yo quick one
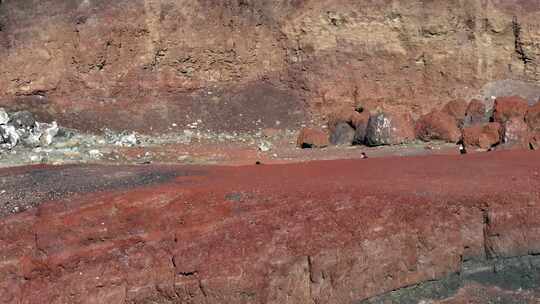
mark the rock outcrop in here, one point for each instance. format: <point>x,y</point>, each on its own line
<point>312,138</point>
<point>146,64</point>
<point>322,232</point>
<point>438,125</point>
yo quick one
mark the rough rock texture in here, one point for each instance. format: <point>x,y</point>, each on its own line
<point>312,138</point>
<point>482,137</point>
<point>457,109</point>
<point>302,233</point>
<point>145,64</point>
<point>343,134</point>
<point>476,113</point>
<point>516,134</point>
<point>533,118</point>
<point>507,108</point>
<point>438,125</point>
<point>360,124</point>
<point>390,128</point>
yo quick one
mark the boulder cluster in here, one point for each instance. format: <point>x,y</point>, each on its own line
<point>511,124</point>
<point>21,128</point>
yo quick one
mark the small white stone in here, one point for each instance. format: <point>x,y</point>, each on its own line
<point>35,158</point>
<point>4,117</point>
<point>49,131</point>
<point>265,146</point>
<point>95,153</point>
<point>9,135</point>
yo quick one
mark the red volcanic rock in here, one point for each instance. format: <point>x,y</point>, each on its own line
<point>297,233</point>
<point>348,116</point>
<point>438,125</point>
<point>312,138</point>
<point>506,108</point>
<point>534,141</point>
<point>533,117</point>
<point>476,113</point>
<point>482,137</point>
<point>457,109</point>
<point>516,134</point>
<point>390,128</point>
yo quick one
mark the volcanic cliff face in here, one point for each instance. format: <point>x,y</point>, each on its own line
<point>145,64</point>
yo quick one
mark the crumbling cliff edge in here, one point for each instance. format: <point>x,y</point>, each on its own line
<point>146,64</point>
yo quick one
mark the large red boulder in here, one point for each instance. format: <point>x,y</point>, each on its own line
<point>482,137</point>
<point>312,138</point>
<point>390,128</point>
<point>515,134</point>
<point>506,108</point>
<point>534,141</point>
<point>533,117</point>
<point>344,115</point>
<point>438,125</point>
<point>357,119</point>
<point>457,109</point>
<point>475,114</point>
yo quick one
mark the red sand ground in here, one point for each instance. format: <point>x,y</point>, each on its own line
<point>319,232</point>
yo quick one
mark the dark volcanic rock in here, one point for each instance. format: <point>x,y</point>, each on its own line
<point>438,125</point>
<point>343,134</point>
<point>389,128</point>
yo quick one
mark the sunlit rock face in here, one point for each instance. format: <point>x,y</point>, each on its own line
<point>145,64</point>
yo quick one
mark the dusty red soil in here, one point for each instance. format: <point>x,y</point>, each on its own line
<point>318,232</point>
<point>282,152</point>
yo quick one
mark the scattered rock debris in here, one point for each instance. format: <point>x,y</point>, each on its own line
<point>22,128</point>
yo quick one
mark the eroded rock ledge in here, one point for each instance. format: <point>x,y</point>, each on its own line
<point>322,232</point>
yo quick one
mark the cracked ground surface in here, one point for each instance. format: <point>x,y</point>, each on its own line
<point>292,233</point>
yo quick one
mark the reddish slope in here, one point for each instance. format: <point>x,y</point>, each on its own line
<point>323,232</point>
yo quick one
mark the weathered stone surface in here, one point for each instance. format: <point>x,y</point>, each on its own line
<point>23,120</point>
<point>516,134</point>
<point>476,113</point>
<point>139,64</point>
<point>350,116</point>
<point>438,125</point>
<point>457,109</point>
<point>312,138</point>
<point>299,233</point>
<point>4,117</point>
<point>533,117</point>
<point>507,108</point>
<point>389,128</point>
<point>343,134</point>
<point>482,137</point>
<point>8,136</point>
<point>534,141</point>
